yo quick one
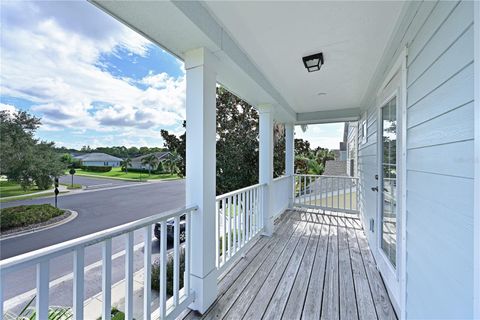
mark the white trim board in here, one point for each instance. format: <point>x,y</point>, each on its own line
<point>476,210</point>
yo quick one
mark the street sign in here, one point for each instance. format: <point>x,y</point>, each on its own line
<point>56,182</point>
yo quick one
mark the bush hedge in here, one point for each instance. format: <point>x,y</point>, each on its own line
<point>97,168</point>
<point>22,216</point>
<point>144,171</point>
<point>156,273</point>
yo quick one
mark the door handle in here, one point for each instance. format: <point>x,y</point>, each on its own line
<point>375,189</point>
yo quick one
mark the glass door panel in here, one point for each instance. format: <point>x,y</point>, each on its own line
<point>389,181</point>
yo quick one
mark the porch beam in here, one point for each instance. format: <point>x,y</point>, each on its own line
<point>290,158</point>
<point>266,113</point>
<point>328,116</point>
<point>200,173</point>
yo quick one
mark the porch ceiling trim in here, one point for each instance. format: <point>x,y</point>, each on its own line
<point>197,13</point>
<point>328,116</point>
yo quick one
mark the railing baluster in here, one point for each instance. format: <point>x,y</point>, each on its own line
<point>217,234</point>
<point>244,218</point>
<point>250,209</point>
<point>235,204</point>
<point>344,194</point>
<point>305,190</point>
<point>255,211</point>
<point>315,190</point>
<point>129,275</point>
<point>224,229</point>
<point>147,273</point>
<point>176,259</point>
<point>107,279</point>
<point>351,195</point>
<point>321,191</point>
<point>338,193</point>
<point>2,279</point>
<point>229,236</point>
<point>43,275</point>
<point>188,240</point>
<point>78,282</point>
<point>247,215</point>
<point>163,270</point>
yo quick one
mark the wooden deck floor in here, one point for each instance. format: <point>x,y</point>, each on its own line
<point>315,266</point>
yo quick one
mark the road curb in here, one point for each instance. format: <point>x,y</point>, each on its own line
<point>72,216</point>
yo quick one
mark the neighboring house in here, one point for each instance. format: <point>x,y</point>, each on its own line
<point>98,159</point>
<point>137,162</point>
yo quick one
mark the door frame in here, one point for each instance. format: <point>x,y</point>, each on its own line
<point>394,278</point>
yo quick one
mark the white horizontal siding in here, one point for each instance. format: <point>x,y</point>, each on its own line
<point>440,128</point>
<point>440,165</point>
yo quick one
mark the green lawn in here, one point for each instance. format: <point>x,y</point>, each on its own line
<point>70,186</point>
<point>9,189</point>
<point>117,173</point>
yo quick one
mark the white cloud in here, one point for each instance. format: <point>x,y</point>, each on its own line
<point>322,135</point>
<point>50,56</point>
<point>8,107</point>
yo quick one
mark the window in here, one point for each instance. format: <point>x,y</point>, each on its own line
<point>363,131</point>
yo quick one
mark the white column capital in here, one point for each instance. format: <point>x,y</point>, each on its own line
<point>200,57</point>
<point>265,108</point>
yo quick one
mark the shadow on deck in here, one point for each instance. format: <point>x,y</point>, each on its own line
<point>315,266</point>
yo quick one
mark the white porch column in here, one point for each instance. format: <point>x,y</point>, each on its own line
<point>290,158</point>
<point>266,164</point>
<point>200,173</point>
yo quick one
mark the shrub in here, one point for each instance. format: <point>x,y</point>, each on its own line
<point>156,273</point>
<point>144,171</point>
<point>97,168</point>
<point>22,216</point>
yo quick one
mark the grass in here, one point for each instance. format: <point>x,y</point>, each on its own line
<point>71,187</point>
<point>117,173</point>
<point>10,189</point>
<point>29,197</point>
<point>22,216</point>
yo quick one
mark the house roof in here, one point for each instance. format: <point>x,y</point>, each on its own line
<point>159,155</point>
<point>97,156</point>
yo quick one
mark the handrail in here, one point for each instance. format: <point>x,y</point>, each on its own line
<point>231,193</point>
<point>281,178</point>
<point>90,239</point>
<point>325,176</point>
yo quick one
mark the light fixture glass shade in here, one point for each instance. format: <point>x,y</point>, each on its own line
<point>313,62</point>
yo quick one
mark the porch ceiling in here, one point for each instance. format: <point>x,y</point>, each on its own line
<point>259,46</point>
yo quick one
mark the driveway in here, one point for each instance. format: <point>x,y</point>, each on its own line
<point>94,182</point>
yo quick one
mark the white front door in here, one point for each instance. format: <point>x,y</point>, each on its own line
<point>390,171</point>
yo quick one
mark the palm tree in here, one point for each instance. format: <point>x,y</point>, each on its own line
<point>151,161</point>
<point>323,155</point>
<point>127,162</point>
<point>172,161</point>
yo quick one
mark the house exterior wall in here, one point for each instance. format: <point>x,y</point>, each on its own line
<point>101,163</point>
<point>352,149</point>
<point>440,151</point>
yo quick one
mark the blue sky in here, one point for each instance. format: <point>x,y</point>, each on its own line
<point>92,80</point>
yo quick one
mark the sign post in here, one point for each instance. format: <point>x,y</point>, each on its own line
<point>72,172</point>
<point>56,191</point>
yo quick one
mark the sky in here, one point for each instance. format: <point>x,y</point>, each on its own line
<point>92,80</point>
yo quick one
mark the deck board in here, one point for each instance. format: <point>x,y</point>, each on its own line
<point>316,266</point>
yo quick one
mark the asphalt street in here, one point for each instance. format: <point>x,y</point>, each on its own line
<point>98,209</point>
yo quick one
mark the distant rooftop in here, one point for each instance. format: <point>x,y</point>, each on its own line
<point>96,156</point>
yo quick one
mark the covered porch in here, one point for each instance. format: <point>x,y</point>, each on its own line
<point>316,265</point>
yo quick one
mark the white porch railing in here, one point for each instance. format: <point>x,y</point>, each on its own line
<point>334,193</point>
<point>238,220</point>
<point>281,188</point>
<point>168,307</point>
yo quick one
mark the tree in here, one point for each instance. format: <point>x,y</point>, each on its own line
<point>323,155</point>
<point>151,161</point>
<point>172,162</point>
<point>172,142</point>
<point>24,159</point>
<point>127,162</point>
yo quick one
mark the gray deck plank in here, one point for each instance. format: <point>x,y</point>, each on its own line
<point>293,308</point>
<point>313,300</point>
<point>261,292</point>
<point>328,274</point>
<point>348,305</point>
<point>282,291</point>
<point>330,302</point>
<point>222,305</point>
<point>365,305</point>
<point>382,302</point>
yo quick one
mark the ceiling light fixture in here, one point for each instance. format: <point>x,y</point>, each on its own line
<point>313,62</point>
<point>321,93</point>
